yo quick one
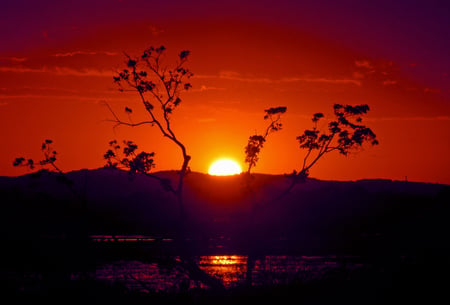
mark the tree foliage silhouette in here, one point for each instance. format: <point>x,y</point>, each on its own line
<point>140,163</point>
<point>49,159</point>
<point>48,164</point>
<point>252,150</point>
<point>126,157</point>
<point>256,142</point>
<point>159,90</point>
<point>345,134</point>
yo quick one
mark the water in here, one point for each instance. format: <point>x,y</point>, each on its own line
<point>231,270</point>
<point>167,273</point>
<point>148,264</point>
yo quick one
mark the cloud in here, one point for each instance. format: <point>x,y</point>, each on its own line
<point>59,71</point>
<point>44,96</point>
<point>19,69</point>
<point>14,59</point>
<point>389,82</point>
<point>18,59</point>
<point>363,64</point>
<point>432,90</point>
<point>322,80</point>
<point>206,88</point>
<point>234,76</point>
<point>434,118</point>
<point>85,53</point>
<point>155,30</point>
<point>358,75</point>
<point>65,90</point>
<point>206,120</point>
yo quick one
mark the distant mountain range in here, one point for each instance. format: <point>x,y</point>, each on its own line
<point>363,215</point>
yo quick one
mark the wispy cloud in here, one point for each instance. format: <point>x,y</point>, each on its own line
<point>206,88</point>
<point>59,71</point>
<point>85,53</point>
<point>322,80</point>
<point>234,76</point>
<point>363,63</point>
<point>18,59</point>
<point>45,96</point>
<point>61,89</point>
<point>14,59</point>
<point>358,75</point>
<point>155,30</point>
<point>389,82</point>
<point>432,90</point>
<point>416,118</point>
<point>206,120</point>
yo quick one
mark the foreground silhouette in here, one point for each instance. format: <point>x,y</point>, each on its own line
<point>345,134</point>
<point>159,89</point>
<point>397,230</point>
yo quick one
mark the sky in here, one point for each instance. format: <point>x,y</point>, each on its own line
<point>57,60</point>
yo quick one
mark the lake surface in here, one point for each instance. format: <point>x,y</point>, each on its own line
<point>231,270</point>
<point>166,273</point>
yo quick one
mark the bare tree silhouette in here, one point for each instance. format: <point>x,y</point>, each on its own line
<point>159,90</point>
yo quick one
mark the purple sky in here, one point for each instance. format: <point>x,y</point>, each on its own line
<point>414,32</point>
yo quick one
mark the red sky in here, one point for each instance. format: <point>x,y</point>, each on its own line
<point>57,61</point>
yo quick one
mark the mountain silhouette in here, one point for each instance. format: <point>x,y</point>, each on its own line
<point>316,216</point>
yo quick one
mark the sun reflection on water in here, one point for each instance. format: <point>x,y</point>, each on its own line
<point>230,269</point>
<point>226,260</point>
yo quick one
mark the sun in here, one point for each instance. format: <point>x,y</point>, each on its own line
<point>224,167</point>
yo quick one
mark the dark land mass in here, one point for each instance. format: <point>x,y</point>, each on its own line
<point>45,219</point>
<point>315,217</point>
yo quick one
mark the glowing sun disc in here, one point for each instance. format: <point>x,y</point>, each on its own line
<point>224,167</point>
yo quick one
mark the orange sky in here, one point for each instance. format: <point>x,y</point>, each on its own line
<point>54,89</point>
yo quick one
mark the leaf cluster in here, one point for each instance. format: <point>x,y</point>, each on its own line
<point>253,148</point>
<point>49,157</point>
<point>155,82</point>
<point>345,133</point>
<point>256,142</point>
<point>47,164</point>
<point>126,156</point>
